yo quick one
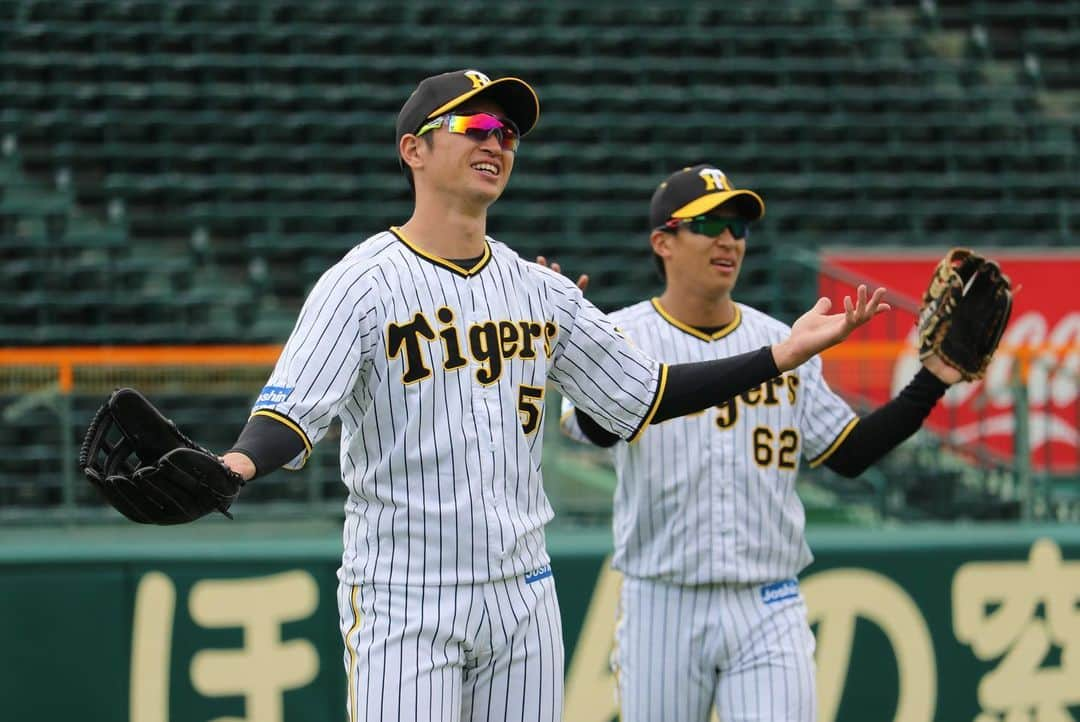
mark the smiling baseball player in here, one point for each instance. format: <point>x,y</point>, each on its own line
<point>708,529</point>
<point>433,344</point>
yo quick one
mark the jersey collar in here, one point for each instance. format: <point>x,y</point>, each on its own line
<point>442,262</point>
<point>693,331</point>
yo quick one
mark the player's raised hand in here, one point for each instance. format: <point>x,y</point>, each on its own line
<point>945,373</point>
<point>583,279</point>
<point>817,329</point>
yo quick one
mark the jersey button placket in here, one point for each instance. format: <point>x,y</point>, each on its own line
<point>721,461</point>
<point>484,398</point>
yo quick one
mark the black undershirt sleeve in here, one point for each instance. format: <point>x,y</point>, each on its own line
<point>876,434</point>
<point>882,430</point>
<point>694,387</point>
<point>593,431</point>
<point>268,443</point>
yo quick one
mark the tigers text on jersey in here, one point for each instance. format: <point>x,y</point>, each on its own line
<point>438,375</point>
<point>710,498</point>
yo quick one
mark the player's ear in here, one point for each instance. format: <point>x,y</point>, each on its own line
<point>409,148</point>
<point>661,243</point>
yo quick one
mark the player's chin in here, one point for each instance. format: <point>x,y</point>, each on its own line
<point>488,192</point>
<point>723,282</point>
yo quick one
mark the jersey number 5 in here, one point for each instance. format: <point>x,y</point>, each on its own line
<point>781,448</point>
<point>530,410</point>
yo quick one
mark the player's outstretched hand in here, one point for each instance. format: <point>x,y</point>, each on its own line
<point>583,279</point>
<point>817,329</point>
<point>945,373</point>
<point>240,463</point>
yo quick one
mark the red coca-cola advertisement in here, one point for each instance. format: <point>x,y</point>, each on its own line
<point>1039,352</point>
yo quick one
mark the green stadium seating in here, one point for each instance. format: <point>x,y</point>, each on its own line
<point>272,119</point>
<point>248,143</point>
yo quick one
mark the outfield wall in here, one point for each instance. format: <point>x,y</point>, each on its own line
<point>222,621</point>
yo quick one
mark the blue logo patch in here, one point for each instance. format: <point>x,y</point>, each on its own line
<point>271,395</point>
<point>537,574</point>
<point>777,591</point>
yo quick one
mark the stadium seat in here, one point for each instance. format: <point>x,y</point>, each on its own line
<point>271,120</point>
<point>247,145</point>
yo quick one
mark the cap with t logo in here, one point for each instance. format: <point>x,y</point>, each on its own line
<point>694,191</point>
<point>440,94</point>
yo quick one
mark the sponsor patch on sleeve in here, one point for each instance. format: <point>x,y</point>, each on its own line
<point>778,591</point>
<point>537,574</point>
<point>272,395</point>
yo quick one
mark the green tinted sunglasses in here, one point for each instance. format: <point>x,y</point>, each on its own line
<point>711,226</point>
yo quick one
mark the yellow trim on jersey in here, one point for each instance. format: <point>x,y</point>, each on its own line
<point>820,458</point>
<point>283,419</point>
<point>439,261</point>
<point>655,405</point>
<point>693,331</point>
<point>352,651</point>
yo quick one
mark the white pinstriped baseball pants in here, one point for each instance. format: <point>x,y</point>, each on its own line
<point>466,653</point>
<point>680,650</point>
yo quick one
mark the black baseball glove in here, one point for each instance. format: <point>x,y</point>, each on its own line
<point>964,312</point>
<point>146,468</point>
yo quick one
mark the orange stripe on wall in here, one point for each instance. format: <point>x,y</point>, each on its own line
<point>68,356</point>
<point>869,350</point>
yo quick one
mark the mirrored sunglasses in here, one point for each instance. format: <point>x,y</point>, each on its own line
<point>478,126</point>
<point>711,226</point>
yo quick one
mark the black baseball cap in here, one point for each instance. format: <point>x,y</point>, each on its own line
<point>693,191</point>
<point>441,93</point>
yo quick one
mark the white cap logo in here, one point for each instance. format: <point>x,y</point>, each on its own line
<point>478,79</point>
<point>714,179</point>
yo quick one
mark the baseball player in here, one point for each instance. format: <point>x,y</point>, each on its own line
<point>708,529</point>
<point>433,343</point>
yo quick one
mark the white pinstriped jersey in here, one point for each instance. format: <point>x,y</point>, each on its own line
<point>710,498</point>
<point>438,376</point>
